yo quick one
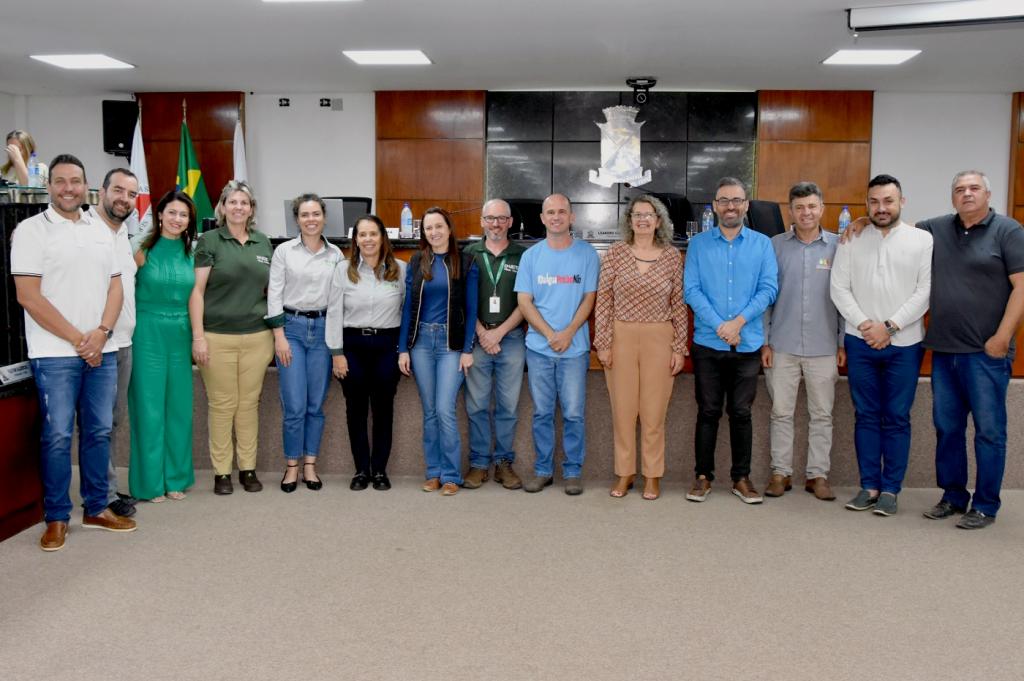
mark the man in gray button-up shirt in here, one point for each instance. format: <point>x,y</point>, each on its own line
<point>803,338</point>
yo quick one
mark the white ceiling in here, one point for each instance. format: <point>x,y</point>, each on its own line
<point>247,45</point>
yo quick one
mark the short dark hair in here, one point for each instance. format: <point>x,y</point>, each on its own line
<point>305,198</point>
<point>882,180</point>
<point>66,159</point>
<point>801,190</point>
<point>731,182</point>
<point>111,173</point>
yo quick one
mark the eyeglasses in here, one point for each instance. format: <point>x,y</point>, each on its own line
<point>725,203</point>
<point>491,219</point>
<point>643,216</point>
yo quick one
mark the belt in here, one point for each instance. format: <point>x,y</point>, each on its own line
<point>369,331</point>
<point>312,314</point>
<point>491,325</point>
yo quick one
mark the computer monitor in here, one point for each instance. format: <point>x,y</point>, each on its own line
<point>334,226</point>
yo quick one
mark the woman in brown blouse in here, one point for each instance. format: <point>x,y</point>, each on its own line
<point>640,337</point>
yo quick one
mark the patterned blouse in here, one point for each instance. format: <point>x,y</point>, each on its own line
<point>627,295</point>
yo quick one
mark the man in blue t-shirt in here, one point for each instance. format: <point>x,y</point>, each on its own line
<point>556,286</point>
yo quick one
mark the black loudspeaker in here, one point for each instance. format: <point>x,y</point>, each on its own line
<point>119,119</point>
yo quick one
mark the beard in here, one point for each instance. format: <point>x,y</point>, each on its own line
<point>892,218</point>
<point>118,210</point>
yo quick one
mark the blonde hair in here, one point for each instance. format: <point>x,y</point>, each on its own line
<point>28,145</point>
<point>230,188</point>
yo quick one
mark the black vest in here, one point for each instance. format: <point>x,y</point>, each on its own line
<point>456,299</point>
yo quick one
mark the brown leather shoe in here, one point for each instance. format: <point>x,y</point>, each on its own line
<point>53,537</point>
<point>474,478</point>
<point>431,485</point>
<point>745,490</point>
<point>778,485</point>
<point>700,490</point>
<point>449,489</point>
<point>504,474</point>
<point>820,488</point>
<point>108,521</point>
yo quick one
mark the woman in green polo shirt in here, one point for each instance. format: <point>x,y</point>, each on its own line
<point>231,341</point>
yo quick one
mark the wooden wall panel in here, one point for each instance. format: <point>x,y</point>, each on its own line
<point>1016,198</point>
<point>448,114</point>
<point>430,151</point>
<point>211,123</point>
<point>839,168</point>
<point>822,115</point>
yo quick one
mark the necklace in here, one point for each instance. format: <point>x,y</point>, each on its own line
<point>639,259</point>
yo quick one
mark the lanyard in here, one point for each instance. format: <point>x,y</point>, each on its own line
<point>495,278</point>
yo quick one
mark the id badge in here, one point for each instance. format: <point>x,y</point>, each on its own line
<point>495,305</point>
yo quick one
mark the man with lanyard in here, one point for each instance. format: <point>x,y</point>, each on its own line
<point>499,355</point>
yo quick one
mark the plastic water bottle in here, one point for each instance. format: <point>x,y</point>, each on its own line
<point>707,219</point>
<point>405,230</point>
<point>34,180</point>
<point>844,219</point>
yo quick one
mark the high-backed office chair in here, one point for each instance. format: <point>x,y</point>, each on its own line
<point>679,210</point>
<point>765,217</point>
<point>354,206</point>
<point>526,222</point>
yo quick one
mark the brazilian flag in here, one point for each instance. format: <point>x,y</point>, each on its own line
<point>190,178</point>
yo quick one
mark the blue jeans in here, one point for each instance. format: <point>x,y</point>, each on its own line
<point>438,379</point>
<point>962,383</point>
<point>304,385</point>
<point>564,379</point>
<point>883,384</point>
<point>503,373</point>
<point>68,387</point>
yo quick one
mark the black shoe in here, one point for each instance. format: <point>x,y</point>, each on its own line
<point>289,487</point>
<point>250,483</point>
<point>381,482</point>
<point>122,508</point>
<point>942,510</point>
<point>975,520</point>
<point>222,484</point>
<point>313,484</point>
<point>127,498</point>
<point>359,482</point>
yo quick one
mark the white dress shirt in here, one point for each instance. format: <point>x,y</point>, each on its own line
<point>881,277</point>
<point>370,303</point>
<point>299,278</point>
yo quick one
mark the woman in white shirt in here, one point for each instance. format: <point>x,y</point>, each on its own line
<point>363,318</point>
<point>300,277</point>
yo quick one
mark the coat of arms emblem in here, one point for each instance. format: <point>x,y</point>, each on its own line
<point>620,149</point>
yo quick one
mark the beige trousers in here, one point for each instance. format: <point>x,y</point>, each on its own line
<point>234,380</point>
<point>640,385</point>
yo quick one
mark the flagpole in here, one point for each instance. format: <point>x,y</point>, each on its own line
<point>184,109</point>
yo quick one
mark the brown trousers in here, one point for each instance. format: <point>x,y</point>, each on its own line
<point>640,385</point>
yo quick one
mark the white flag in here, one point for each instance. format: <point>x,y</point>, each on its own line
<point>240,171</point>
<point>141,221</point>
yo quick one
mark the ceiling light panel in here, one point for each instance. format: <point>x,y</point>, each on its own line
<point>387,57</point>
<point>870,57</point>
<point>82,61</point>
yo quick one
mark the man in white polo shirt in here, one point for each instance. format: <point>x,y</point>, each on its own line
<point>880,285</point>
<point>117,203</point>
<point>68,280</point>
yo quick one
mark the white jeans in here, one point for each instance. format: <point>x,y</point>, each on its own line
<point>783,380</point>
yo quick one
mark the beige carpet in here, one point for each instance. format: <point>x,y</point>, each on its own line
<point>492,584</point>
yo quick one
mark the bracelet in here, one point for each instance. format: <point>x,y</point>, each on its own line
<point>199,339</point>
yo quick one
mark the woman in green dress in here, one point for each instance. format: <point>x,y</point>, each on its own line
<point>160,392</point>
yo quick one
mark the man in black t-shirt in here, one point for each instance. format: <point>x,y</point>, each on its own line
<point>977,303</point>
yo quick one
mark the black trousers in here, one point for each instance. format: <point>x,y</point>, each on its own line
<point>730,378</point>
<point>371,384</point>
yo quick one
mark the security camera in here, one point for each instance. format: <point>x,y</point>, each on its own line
<point>641,88</point>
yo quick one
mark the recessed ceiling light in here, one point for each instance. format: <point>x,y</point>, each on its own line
<point>294,1</point>
<point>386,57</point>
<point>870,57</point>
<point>83,61</point>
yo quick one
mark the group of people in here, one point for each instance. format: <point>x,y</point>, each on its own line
<point>112,324</point>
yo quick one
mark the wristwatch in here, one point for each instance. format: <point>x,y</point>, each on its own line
<point>891,328</point>
<point>110,332</point>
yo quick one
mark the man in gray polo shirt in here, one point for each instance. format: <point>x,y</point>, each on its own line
<point>976,306</point>
<point>803,338</point>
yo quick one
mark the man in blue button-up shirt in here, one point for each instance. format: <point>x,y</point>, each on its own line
<point>730,279</point>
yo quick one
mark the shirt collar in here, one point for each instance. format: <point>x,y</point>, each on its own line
<point>299,244</point>
<point>255,236</point>
<point>717,233</point>
<point>53,216</point>
<point>984,222</point>
<point>791,235</point>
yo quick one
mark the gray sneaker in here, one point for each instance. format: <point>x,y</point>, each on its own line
<point>536,483</point>
<point>573,486</point>
<point>862,502</point>
<point>975,520</point>
<point>886,504</point>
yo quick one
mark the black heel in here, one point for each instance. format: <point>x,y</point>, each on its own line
<point>289,487</point>
<point>311,484</point>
